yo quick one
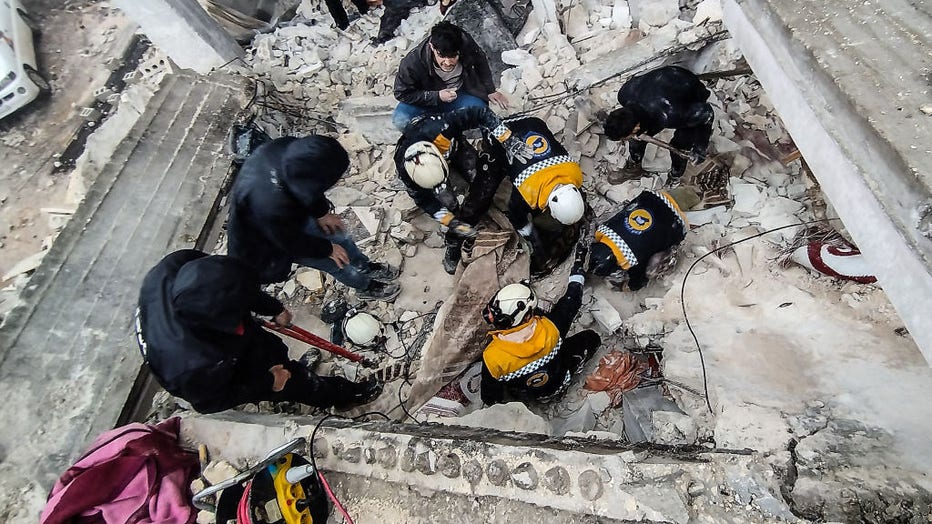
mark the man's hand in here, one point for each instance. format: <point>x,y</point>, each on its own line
<point>283,319</point>
<point>499,99</point>
<point>281,377</point>
<point>517,150</point>
<point>462,229</point>
<point>330,223</point>
<point>339,255</point>
<point>447,95</point>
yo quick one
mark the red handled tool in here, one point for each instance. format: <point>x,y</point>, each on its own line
<point>307,337</point>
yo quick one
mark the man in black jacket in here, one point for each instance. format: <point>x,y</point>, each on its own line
<point>279,215</point>
<point>447,71</point>
<point>421,161</point>
<point>194,329</point>
<point>639,240</point>
<point>666,98</point>
<point>530,356</point>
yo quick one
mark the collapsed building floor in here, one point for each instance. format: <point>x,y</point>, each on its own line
<point>780,410</point>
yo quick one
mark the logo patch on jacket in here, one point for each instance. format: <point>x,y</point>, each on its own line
<point>538,144</point>
<point>538,379</point>
<point>639,221</point>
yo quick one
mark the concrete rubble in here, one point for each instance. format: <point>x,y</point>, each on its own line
<point>570,61</point>
<point>806,459</point>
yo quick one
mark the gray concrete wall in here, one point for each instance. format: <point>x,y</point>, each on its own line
<point>184,31</point>
<point>850,99</point>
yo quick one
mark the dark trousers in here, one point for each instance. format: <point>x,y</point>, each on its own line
<point>578,348</point>
<point>338,12</point>
<point>305,387</point>
<point>395,12</point>
<point>689,139</point>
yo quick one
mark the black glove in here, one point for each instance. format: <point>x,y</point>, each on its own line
<point>516,149</point>
<point>462,229</point>
<point>580,262</point>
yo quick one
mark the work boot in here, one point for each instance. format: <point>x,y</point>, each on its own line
<point>310,359</point>
<point>451,259</point>
<point>631,171</point>
<point>365,392</point>
<point>382,271</point>
<point>379,291</point>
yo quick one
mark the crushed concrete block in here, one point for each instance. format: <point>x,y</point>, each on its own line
<point>343,196</point>
<point>673,428</point>
<point>747,199</point>
<point>289,288</point>
<point>513,416</point>
<point>405,204</point>
<point>708,11</point>
<point>217,472</point>
<point>605,314</point>
<point>407,233</point>
<point>657,13</point>
<point>310,279</point>
<point>371,117</point>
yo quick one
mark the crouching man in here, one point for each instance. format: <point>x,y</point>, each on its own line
<point>666,98</point>
<point>194,329</point>
<point>530,357</point>
<point>421,159</point>
<point>549,181</point>
<point>639,242</point>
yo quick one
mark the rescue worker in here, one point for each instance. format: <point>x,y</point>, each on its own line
<point>666,98</point>
<point>279,216</point>
<point>639,242</point>
<point>194,329</point>
<point>549,182</point>
<point>530,356</point>
<point>421,161</point>
<point>445,72</point>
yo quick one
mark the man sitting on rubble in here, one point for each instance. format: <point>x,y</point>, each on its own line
<point>194,328</point>
<point>421,160</point>
<point>279,215</point>
<point>639,242</point>
<point>666,98</point>
<point>530,356</point>
<point>447,71</point>
<point>548,183</point>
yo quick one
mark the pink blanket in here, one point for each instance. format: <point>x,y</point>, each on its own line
<point>132,474</point>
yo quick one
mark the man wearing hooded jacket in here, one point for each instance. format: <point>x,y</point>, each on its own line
<point>666,98</point>
<point>194,328</point>
<point>280,215</point>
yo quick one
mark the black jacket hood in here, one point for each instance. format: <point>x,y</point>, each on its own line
<point>215,292</point>
<point>311,165</point>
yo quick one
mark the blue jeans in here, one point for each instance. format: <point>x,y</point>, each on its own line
<point>354,274</point>
<point>404,113</point>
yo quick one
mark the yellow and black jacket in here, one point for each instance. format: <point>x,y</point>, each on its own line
<point>648,224</point>
<point>525,361</point>
<point>551,164</point>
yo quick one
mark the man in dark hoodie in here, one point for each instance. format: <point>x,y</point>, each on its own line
<point>279,216</point>
<point>194,329</point>
<point>447,71</point>
<point>666,98</point>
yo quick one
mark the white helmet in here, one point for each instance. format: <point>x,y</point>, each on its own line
<point>363,329</point>
<point>511,306</point>
<point>566,204</point>
<point>425,164</point>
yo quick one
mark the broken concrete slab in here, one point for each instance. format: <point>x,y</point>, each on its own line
<point>487,27</point>
<point>370,117</point>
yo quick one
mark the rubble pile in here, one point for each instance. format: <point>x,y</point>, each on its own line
<point>571,59</point>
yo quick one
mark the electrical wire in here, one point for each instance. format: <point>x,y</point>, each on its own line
<point>320,475</point>
<point>705,383</point>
